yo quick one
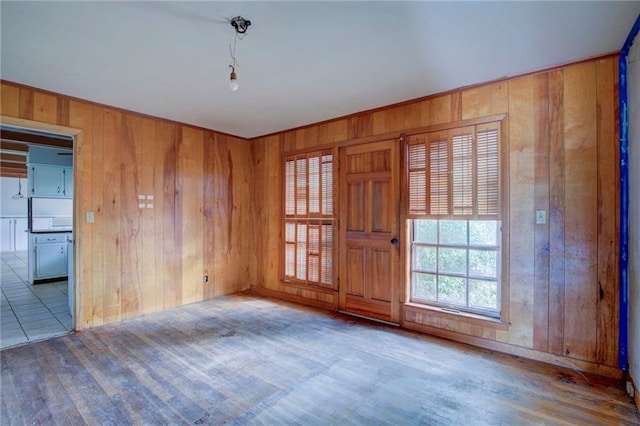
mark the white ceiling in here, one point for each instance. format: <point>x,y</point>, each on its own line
<point>301,62</point>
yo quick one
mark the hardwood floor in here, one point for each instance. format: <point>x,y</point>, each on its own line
<point>248,360</point>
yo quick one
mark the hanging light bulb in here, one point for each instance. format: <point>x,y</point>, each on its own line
<point>240,26</point>
<point>233,80</point>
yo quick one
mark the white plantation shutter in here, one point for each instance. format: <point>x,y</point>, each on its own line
<point>308,184</point>
<point>455,173</point>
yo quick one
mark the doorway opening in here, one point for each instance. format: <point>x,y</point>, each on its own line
<point>38,256</point>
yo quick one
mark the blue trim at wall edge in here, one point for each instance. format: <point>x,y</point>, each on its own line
<point>623,337</point>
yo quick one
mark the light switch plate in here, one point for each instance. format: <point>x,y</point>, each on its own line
<point>541,217</point>
<point>90,217</point>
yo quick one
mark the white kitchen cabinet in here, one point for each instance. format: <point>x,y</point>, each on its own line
<point>51,260</point>
<point>46,181</point>
<point>49,256</point>
<point>6,234</point>
<point>13,235</point>
<point>50,181</point>
<point>21,236</point>
<point>68,182</point>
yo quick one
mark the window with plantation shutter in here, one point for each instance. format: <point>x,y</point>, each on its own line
<point>454,211</point>
<point>455,173</point>
<point>308,218</point>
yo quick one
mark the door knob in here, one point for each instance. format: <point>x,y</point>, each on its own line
<point>394,241</point>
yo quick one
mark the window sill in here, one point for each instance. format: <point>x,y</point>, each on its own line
<point>467,317</point>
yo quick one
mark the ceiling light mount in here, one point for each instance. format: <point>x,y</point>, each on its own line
<point>240,24</point>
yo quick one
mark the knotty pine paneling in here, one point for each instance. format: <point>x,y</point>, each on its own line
<point>134,260</point>
<point>562,158</point>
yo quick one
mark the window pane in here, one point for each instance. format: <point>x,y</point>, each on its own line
<point>452,260</point>
<point>452,290</point>
<point>483,294</point>
<point>483,263</point>
<point>426,231</point>
<point>483,232</point>
<point>453,232</point>
<point>425,258</point>
<point>424,286</point>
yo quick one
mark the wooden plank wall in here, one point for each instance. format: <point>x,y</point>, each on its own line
<point>132,260</point>
<point>562,158</point>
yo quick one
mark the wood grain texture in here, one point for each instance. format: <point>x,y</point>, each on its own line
<point>239,211</point>
<point>25,109</point>
<point>208,206</point>
<point>190,366</point>
<point>45,108</point>
<point>189,188</point>
<point>134,260</point>
<point>522,132</point>
<point>441,109</point>
<point>485,100</point>
<point>556,213</point>
<point>608,218</point>
<point>83,119</point>
<point>540,174</point>
<point>10,100</point>
<point>581,223</point>
<point>94,313</point>
<point>147,151</point>
<point>131,227</point>
<point>111,215</point>
<point>541,202</point>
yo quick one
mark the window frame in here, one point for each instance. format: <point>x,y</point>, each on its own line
<point>493,313</point>
<point>293,215</point>
<point>498,123</point>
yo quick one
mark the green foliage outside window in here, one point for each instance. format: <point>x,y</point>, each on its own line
<point>455,263</point>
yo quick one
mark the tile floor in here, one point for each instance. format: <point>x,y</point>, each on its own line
<point>29,312</point>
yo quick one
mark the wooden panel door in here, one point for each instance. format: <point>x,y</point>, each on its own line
<point>369,230</point>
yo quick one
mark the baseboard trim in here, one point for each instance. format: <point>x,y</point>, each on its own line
<point>497,346</point>
<point>266,292</point>
<point>506,348</point>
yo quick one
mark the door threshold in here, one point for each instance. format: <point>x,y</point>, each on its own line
<point>370,319</point>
